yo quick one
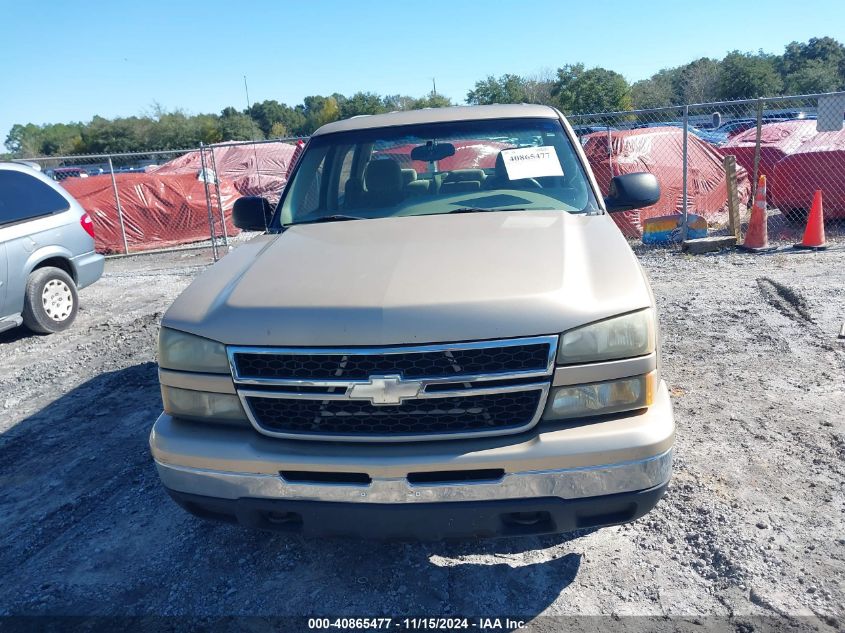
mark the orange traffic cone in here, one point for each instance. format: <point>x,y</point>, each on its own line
<point>814,233</point>
<point>757,237</point>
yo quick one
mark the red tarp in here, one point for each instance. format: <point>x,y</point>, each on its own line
<point>660,151</point>
<point>777,140</point>
<point>468,155</point>
<point>158,210</point>
<point>255,170</point>
<point>818,163</point>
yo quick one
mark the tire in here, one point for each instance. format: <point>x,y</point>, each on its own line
<point>51,301</point>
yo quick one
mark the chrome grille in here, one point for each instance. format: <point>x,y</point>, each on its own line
<point>400,393</point>
<point>415,364</point>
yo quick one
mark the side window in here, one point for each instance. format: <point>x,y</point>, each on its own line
<point>23,197</point>
<point>306,190</point>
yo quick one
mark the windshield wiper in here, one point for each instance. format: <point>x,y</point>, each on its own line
<point>327,218</point>
<point>482,209</point>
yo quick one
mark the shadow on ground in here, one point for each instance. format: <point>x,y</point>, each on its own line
<point>89,531</point>
<point>15,334</point>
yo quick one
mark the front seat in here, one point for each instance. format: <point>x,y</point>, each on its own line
<point>383,183</point>
<point>500,179</point>
<point>462,180</point>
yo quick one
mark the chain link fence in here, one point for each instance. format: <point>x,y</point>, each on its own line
<point>172,199</point>
<point>709,158</point>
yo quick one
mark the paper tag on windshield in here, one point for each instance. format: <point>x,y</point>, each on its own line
<point>531,162</point>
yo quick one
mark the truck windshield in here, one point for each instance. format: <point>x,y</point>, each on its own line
<point>464,166</point>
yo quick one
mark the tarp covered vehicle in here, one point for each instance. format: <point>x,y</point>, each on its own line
<point>159,210</point>
<point>258,169</point>
<point>817,164</point>
<point>777,140</point>
<point>660,151</point>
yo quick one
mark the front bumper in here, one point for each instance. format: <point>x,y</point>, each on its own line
<point>425,521</point>
<point>568,476</point>
<point>571,483</point>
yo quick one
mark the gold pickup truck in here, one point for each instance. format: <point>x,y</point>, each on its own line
<point>441,333</point>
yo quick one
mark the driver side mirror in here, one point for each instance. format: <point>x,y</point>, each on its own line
<point>252,213</point>
<point>632,191</point>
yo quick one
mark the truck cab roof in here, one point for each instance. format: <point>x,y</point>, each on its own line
<point>439,115</point>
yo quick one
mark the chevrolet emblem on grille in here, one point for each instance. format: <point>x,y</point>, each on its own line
<point>380,390</point>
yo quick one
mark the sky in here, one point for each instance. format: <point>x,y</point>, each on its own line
<point>67,61</point>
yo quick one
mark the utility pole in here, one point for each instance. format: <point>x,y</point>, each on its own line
<point>433,87</point>
<point>246,90</point>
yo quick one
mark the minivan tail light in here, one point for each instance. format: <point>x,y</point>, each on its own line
<point>87,224</point>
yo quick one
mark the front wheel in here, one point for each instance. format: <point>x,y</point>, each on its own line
<point>51,301</point>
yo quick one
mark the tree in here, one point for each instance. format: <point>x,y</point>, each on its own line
<point>318,111</point>
<point>166,130</point>
<point>278,130</point>
<point>398,102</point>
<point>431,100</point>
<point>38,140</point>
<point>127,134</point>
<point>696,82</point>
<point>655,92</point>
<point>237,126</point>
<point>747,76</point>
<point>816,75</point>
<point>817,66</point>
<point>23,139</point>
<point>595,90</point>
<point>505,89</point>
<point>538,87</point>
<point>361,103</point>
<point>61,139</point>
<point>269,112</point>
<point>207,128</point>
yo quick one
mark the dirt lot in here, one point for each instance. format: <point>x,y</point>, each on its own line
<point>753,524</point>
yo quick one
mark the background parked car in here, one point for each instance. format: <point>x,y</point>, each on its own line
<point>711,136</point>
<point>61,173</point>
<point>46,251</point>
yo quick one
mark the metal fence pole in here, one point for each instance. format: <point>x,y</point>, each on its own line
<point>119,209</point>
<point>208,203</point>
<point>757,149</point>
<point>685,211</point>
<point>219,200</point>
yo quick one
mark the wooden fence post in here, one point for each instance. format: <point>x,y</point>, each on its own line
<point>733,196</point>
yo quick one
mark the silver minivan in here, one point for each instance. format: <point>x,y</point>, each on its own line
<point>46,251</point>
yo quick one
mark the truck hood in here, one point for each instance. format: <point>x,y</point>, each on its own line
<point>423,279</point>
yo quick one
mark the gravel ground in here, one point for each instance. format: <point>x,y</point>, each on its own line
<point>753,525</point>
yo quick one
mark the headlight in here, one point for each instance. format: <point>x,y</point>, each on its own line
<point>600,398</point>
<point>624,336</point>
<point>186,352</point>
<point>186,403</point>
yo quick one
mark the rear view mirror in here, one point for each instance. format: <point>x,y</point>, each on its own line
<point>431,152</point>
<point>632,191</point>
<point>252,213</point>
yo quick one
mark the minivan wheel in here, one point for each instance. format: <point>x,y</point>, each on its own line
<point>51,301</point>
